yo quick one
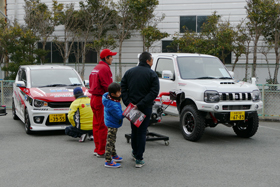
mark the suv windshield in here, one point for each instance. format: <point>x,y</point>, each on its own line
<point>202,68</point>
<point>54,77</point>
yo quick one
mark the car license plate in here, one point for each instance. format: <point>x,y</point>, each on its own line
<point>234,116</point>
<point>57,118</point>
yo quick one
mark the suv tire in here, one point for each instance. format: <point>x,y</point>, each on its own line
<point>192,123</point>
<point>249,128</point>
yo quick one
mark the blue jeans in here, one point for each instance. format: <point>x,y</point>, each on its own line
<point>74,132</point>
<point>138,135</point>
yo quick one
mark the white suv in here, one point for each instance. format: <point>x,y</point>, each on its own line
<point>42,96</point>
<point>206,94</point>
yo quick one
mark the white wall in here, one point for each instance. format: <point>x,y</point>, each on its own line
<point>232,10</point>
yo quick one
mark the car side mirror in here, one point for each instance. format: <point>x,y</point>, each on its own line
<point>86,82</point>
<point>20,84</point>
<point>167,74</point>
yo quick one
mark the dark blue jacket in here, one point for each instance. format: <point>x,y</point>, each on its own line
<point>112,112</point>
<point>140,86</point>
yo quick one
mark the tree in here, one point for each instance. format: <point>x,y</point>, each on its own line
<point>216,38</point>
<point>41,20</point>
<point>125,24</point>
<point>147,21</point>
<point>152,34</point>
<point>20,44</point>
<point>240,38</point>
<point>271,32</point>
<point>68,17</point>
<point>256,15</point>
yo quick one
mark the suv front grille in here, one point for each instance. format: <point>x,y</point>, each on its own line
<point>59,104</point>
<point>236,107</point>
<point>235,96</point>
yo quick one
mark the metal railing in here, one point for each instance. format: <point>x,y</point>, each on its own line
<point>270,94</point>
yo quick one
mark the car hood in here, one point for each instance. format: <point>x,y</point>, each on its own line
<point>224,85</point>
<point>55,94</point>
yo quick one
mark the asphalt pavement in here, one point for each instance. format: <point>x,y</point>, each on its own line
<point>220,158</point>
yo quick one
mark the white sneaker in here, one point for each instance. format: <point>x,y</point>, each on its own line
<point>90,137</point>
<point>83,138</point>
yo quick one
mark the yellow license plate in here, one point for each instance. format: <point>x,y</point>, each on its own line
<point>237,115</point>
<point>57,118</point>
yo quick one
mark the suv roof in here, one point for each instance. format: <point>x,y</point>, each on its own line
<point>180,54</point>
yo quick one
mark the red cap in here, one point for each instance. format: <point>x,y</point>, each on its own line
<point>107,52</point>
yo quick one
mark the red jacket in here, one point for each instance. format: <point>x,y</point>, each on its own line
<point>100,78</point>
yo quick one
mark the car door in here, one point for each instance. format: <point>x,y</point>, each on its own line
<point>167,85</point>
<point>19,98</point>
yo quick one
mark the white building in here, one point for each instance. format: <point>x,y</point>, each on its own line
<point>177,13</point>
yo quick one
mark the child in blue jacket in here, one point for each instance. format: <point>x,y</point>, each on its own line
<point>113,120</point>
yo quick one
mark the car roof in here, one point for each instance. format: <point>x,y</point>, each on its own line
<point>34,67</point>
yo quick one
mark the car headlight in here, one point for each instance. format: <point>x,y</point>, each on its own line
<point>211,96</point>
<point>256,95</point>
<point>40,103</point>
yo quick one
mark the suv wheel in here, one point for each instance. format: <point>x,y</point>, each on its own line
<point>14,115</point>
<point>27,122</point>
<point>247,129</point>
<point>192,123</point>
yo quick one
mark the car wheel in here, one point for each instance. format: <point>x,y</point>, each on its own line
<point>27,122</point>
<point>14,115</point>
<point>247,129</point>
<point>192,123</point>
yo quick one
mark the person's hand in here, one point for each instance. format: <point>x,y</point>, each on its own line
<point>135,106</point>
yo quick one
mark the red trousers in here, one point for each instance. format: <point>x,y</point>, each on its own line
<point>98,126</point>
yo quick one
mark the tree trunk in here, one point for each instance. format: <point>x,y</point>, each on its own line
<point>276,65</point>
<point>246,67</point>
<point>255,55</point>
<point>143,39</point>
<point>119,76</point>
<point>234,64</point>
<point>83,61</point>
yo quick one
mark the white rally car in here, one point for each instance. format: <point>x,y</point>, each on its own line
<point>43,94</point>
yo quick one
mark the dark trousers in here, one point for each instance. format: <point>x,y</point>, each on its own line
<point>74,132</point>
<point>138,135</point>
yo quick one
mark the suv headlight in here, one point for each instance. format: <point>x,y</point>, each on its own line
<point>40,103</point>
<point>211,96</point>
<point>256,95</point>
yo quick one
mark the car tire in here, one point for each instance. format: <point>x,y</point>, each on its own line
<point>247,129</point>
<point>14,115</point>
<point>192,123</point>
<point>27,122</point>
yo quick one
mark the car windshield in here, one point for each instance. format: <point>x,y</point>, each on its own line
<point>202,68</point>
<point>54,77</point>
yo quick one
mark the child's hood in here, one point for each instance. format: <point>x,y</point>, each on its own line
<point>106,102</point>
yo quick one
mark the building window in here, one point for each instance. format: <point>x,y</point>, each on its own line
<point>192,23</point>
<point>167,48</point>
<point>2,9</point>
<point>91,55</point>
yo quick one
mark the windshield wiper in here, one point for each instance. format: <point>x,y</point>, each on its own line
<point>53,85</point>
<point>225,78</point>
<point>206,78</point>
<point>75,84</point>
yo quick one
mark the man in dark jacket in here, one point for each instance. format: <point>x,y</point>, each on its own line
<point>140,86</point>
<point>99,80</point>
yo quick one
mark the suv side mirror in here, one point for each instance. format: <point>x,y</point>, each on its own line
<point>20,84</point>
<point>231,73</point>
<point>167,74</point>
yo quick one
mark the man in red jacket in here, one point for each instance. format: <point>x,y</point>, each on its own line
<point>99,80</point>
